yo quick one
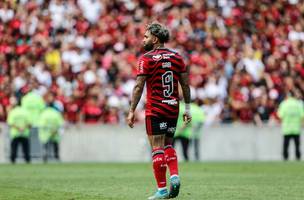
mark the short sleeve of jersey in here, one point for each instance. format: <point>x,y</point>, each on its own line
<point>142,66</point>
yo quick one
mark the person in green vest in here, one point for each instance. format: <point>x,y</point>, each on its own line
<point>192,131</point>
<point>34,103</point>
<point>198,118</point>
<point>291,113</point>
<point>50,123</point>
<point>19,122</point>
<point>183,132</point>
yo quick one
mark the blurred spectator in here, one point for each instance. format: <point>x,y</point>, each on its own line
<point>34,104</point>
<point>50,124</point>
<point>198,118</point>
<point>183,133</point>
<point>19,123</point>
<point>91,111</point>
<point>291,113</point>
<point>243,56</point>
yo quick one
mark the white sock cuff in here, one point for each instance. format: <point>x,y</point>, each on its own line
<point>163,188</point>
<point>174,175</point>
<point>168,146</point>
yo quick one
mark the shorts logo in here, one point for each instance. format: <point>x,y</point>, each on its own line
<point>163,125</point>
<point>171,130</point>
<point>157,57</point>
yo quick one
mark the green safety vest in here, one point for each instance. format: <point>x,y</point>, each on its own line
<point>34,104</point>
<point>291,113</point>
<point>197,117</point>
<point>19,117</point>
<point>49,124</point>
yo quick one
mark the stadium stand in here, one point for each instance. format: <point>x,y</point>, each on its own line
<point>243,56</point>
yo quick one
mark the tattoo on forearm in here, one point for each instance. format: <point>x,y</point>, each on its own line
<point>135,97</point>
<point>137,92</point>
<point>186,93</point>
<point>184,81</point>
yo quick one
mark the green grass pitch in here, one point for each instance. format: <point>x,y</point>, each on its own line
<point>200,181</point>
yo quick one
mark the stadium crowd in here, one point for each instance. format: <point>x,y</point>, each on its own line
<point>81,55</point>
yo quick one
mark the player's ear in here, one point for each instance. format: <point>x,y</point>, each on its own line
<point>154,39</point>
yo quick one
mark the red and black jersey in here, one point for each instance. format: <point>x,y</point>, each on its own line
<point>162,68</point>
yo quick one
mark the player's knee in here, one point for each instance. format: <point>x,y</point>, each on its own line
<point>169,141</point>
<point>158,141</point>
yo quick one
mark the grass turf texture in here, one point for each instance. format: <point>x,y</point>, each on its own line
<point>200,181</point>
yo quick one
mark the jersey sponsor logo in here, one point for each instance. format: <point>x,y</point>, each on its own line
<point>163,125</point>
<point>157,57</point>
<point>141,66</point>
<point>166,64</point>
<point>170,101</point>
<point>168,55</point>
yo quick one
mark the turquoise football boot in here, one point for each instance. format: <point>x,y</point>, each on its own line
<point>160,194</point>
<point>174,186</point>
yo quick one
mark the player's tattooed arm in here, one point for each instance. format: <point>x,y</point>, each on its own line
<point>184,81</point>
<point>137,91</point>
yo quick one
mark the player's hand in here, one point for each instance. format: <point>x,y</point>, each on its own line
<point>131,119</point>
<point>187,118</point>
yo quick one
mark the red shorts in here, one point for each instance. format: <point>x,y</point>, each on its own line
<point>160,126</point>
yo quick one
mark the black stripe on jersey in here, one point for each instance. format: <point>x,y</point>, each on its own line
<point>163,108</point>
<point>158,91</point>
<point>157,68</point>
<point>158,88</point>
<point>156,79</point>
<point>176,66</point>
<point>150,62</point>
<point>157,84</point>
<point>160,73</point>
<point>143,74</point>
<point>161,113</point>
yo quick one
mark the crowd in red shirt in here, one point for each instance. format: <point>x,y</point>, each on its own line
<point>243,56</point>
